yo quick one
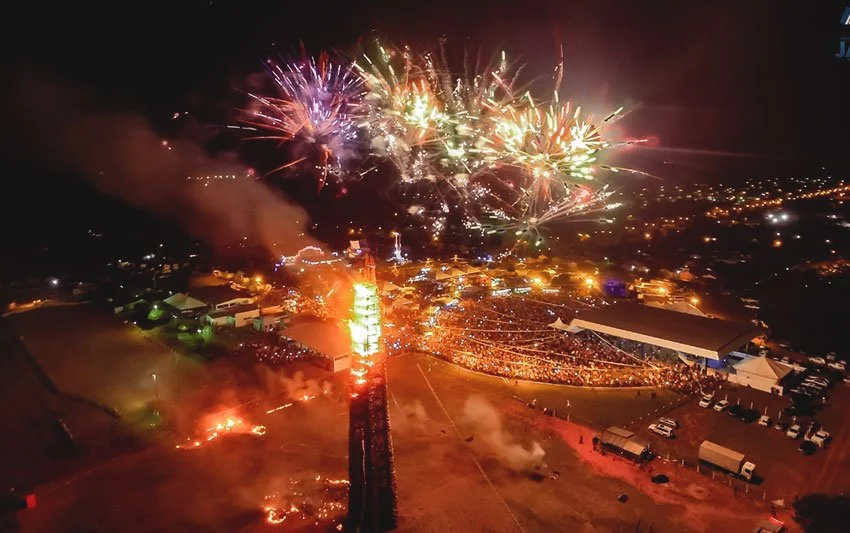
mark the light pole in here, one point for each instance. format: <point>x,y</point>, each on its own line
<point>155,387</point>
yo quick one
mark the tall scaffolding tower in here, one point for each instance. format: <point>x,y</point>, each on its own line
<point>372,503</point>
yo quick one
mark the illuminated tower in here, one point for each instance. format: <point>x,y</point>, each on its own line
<point>372,502</point>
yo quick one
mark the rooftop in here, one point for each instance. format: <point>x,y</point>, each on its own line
<point>216,294</point>
<point>232,311</point>
<point>691,334</point>
<point>329,338</point>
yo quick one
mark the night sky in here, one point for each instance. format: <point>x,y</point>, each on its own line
<point>728,89</point>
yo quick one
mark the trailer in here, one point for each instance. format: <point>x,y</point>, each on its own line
<point>624,442</point>
<point>726,459</point>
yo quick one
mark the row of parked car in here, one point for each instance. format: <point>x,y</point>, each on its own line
<point>813,387</point>
<point>737,410</point>
<point>830,360</point>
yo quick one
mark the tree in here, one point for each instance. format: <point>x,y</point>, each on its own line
<point>205,336</point>
<point>822,513</point>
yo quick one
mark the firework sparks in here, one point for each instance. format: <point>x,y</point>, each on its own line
<point>318,104</point>
<point>472,143</point>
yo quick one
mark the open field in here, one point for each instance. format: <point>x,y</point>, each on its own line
<point>446,481</point>
<point>470,455</point>
<point>91,354</point>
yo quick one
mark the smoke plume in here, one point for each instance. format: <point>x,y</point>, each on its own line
<point>487,426</point>
<point>410,416</point>
<point>123,156</point>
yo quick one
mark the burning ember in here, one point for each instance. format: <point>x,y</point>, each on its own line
<point>303,398</point>
<point>227,426</point>
<point>308,502</point>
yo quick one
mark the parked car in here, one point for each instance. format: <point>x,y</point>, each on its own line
<point>660,429</point>
<point>780,425</point>
<point>794,432</point>
<point>735,410</point>
<point>765,421</point>
<point>721,405</point>
<point>837,365</point>
<point>669,422</point>
<point>705,401</point>
<point>820,438</point>
<point>817,360</point>
<point>807,447</point>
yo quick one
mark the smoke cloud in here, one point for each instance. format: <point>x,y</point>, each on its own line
<point>410,416</point>
<point>123,156</point>
<point>487,426</point>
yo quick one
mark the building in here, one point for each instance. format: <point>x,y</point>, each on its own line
<point>197,301</point>
<point>219,297</point>
<point>271,322</point>
<point>761,374</point>
<point>329,339</point>
<point>183,304</point>
<point>234,316</point>
<point>690,335</point>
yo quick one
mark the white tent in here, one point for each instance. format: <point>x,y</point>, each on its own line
<point>404,304</point>
<point>388,287</point>
<point>183,302</point>
<point>761,373</point>
<point>559,325</point>
<point>680,306</point>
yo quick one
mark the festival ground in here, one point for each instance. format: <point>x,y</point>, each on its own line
<point>462,464</point>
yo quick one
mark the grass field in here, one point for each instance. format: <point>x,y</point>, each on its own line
<point>91,354</point>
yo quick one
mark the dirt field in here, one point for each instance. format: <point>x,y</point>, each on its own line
<point>435,465</point>
<point>470,455</point>
<point>89,353</point>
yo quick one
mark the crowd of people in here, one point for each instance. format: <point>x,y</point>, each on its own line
<point>510,337</point>
<point>273,353</point>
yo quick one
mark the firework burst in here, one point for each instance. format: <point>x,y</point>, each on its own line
<point>318,106</point>
<point>472,144</point>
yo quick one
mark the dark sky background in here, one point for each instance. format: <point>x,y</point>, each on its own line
<point>729,89</point>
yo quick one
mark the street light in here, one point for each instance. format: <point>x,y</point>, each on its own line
<point>155,387</point>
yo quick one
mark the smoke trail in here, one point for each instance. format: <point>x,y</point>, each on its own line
<point>122,155</point>
<point>487,426</point>
<point>410,416</point>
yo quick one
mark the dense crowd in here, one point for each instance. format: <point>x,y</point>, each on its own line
<point>510,337</point>
<point>280,352</point>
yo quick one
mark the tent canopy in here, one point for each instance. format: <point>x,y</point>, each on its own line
<point>680,307</point>
<point>763,367</point>
<point>329,338</point>
<point>183,302</point>
<point>559,325</point>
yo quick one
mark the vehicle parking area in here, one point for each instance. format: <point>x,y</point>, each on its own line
<point>784,471</point>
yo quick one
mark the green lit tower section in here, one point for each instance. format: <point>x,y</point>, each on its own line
<point>372,504</point>
<point>365,326</point>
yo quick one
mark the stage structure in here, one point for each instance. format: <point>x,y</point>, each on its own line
<point>372,504</point>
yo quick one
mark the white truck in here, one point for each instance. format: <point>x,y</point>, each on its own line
<point>726,459</point>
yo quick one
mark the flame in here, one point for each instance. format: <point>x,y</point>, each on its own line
<point>226,426</point>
